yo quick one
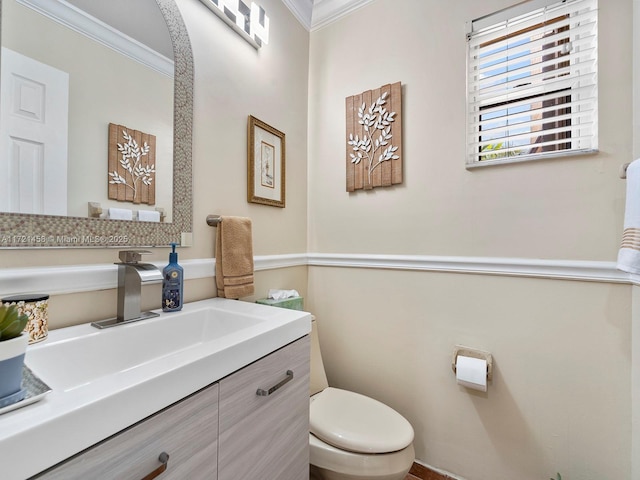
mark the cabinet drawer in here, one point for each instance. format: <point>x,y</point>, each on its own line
<point>187,431</point>
<point>267,436</point>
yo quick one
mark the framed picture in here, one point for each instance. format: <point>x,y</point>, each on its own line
<point>265,164</point>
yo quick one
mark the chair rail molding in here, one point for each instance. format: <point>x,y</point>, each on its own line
<point>595,271</point>
<point>58,280</point>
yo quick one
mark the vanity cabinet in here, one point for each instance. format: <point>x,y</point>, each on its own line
<point>186,431</point>
<point>253,423</point>
<point>267,436</point>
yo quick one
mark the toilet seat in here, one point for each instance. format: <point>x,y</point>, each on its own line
<point>357,423</point>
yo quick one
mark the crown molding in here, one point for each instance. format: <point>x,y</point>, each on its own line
<point>72,17</point>
<point>302,10</point>
<point>328,11</point>
<point>315,14</point>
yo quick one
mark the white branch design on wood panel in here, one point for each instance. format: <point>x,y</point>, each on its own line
<point>376,120</point>
<point>139,173</point>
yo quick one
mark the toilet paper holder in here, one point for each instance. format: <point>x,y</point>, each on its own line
<point>473,353</point>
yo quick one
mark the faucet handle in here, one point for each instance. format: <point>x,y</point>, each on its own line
<point>132,256</point>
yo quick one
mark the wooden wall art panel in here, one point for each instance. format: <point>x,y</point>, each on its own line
<point>374,138</point>
<point>132,165</point>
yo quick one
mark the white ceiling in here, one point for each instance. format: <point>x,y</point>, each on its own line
<point>314,14</point>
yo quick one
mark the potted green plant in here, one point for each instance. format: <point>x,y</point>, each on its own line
<point>13,346</point>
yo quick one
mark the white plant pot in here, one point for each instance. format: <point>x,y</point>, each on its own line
<point>11,364</point>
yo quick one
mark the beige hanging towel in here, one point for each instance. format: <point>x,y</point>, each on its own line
<point>234,257</point>
<point>629,253</point>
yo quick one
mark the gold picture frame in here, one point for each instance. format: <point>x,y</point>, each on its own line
<point>265,164</point>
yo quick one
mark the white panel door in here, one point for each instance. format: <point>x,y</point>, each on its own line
<point>34,100</point>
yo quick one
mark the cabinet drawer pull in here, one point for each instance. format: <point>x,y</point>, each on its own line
<point>164,458</point>
<point>266,393</point>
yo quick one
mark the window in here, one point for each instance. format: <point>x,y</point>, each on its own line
<point>532,82</point>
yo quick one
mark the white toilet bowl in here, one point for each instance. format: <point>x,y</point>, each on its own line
<point>330,463</point>
<point>352,436</point>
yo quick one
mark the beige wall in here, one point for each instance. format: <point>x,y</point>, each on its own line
<point>560,396</point>
<point>72,309</point>
<point>233,81</point>
<point>560,401</point>
<point>563,208</point>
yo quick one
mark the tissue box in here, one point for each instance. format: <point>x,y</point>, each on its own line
<point>292,303</point>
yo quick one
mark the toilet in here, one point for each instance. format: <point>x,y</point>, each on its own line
<point>352,436</point>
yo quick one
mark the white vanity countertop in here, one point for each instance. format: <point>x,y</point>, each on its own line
<point>103,381</point>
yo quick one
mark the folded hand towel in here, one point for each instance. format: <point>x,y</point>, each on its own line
<point>120,214</point>
<point>234,257</point>
<point>148,215</point>
<point>629,254</point>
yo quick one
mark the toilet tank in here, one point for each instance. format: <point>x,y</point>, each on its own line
<point>318,381</point>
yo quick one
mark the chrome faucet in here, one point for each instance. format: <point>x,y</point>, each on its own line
<point>131,275</point>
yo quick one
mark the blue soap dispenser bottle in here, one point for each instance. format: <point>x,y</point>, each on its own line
<point>172,281</point>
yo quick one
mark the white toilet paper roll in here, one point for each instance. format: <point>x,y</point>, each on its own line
<point>472,373</point>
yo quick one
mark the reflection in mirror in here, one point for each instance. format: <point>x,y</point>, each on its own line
<point>60,140</point>
<point>137,100</point>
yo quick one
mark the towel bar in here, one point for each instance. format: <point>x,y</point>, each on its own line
<point>213,220</point>
<point>623,170</point>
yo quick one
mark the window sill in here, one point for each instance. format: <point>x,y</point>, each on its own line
<point>528,158</point>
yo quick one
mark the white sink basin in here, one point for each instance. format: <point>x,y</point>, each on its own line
<point>102,381</point>
<point>80,356</point>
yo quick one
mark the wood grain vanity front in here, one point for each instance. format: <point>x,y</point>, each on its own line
<point>186,431</point>
<point>267,436</point>
<point>225,431</point>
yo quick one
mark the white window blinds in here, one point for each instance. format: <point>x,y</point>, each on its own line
<point>532,82</point>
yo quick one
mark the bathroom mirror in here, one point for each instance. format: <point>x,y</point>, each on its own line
<point>34,230</point>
